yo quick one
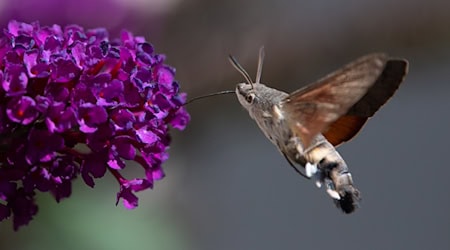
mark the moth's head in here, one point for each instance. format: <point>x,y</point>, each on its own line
<point>250,93</point>
<point>246,94</point>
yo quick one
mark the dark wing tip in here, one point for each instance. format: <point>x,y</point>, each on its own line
<point>383,89</point>
<point>399,66</point>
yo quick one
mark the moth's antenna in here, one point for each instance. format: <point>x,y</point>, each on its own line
<point>241,70</point>
<point>209,95</point>
<point>260,65</point>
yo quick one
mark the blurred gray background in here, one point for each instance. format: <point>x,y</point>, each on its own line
<point>227,187</point>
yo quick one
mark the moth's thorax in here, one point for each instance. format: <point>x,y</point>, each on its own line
<point>264,106</point>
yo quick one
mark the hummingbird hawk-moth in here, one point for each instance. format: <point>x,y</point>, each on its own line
<point>307,124</point>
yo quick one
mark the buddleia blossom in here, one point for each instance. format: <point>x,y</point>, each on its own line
<point>73,102</point>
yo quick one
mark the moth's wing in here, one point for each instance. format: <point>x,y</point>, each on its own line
<point>344,129</point>
<point>315,107</point>
<point>347,126</point>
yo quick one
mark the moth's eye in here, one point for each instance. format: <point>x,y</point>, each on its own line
<point>250,97</point>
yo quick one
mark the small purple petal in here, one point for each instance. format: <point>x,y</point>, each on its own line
<point>146,136</point>
<point>130,201</point>
<point>22,110</point>
<point>124,147</point>
<point>100,139</point>
<point>122,118</point>
<point>110,93</point>
<point>60,118</point>
<point>144,54</point>
<point>94,165</point>
<point>15,80</point>
<point>90,117</point>
<point>164,75</point>
<point>116,163</point>
<point>64,70</point>
<point>180,119</point>
<point>157,173</point>
<point>30,59</point>
<point>52,43</point>
<point>42,104</point>
<point>162,101</point>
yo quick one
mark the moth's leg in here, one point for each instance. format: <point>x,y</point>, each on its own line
<point>311,169</point>
<point>331,189</point>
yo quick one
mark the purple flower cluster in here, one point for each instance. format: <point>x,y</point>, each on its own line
<point>74,102</point>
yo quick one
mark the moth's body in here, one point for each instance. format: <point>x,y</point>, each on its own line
<point>309,123</point>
